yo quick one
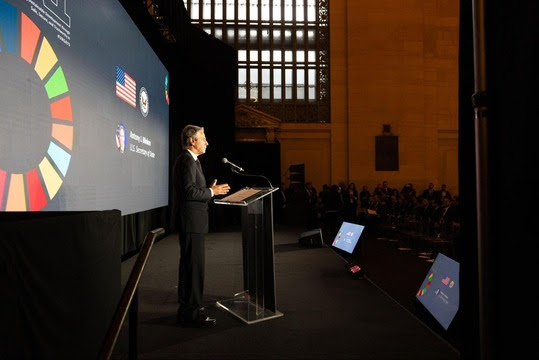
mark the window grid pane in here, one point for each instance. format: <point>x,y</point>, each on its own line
<point>288,83</point>
<point>265,84</point>
<point>253,83</point>
<point>311,10</point>
<point>265,9</point>
<point>276,10</point>
<point>230,6</point>
<point>288,10</point>
<point>194,9</point>
<point>300,11</point>
<point>206,9</point>
<point>253,10</point>
<point>242,83</point>
<point>300,84</point>
<point>277,84</point>
<point>242,9</point>
<point>312,84</point>
<point>218,9</point>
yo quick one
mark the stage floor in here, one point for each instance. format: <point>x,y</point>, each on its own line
<point>326,312</point>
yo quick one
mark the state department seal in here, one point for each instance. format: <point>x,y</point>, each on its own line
<point>144,101</point>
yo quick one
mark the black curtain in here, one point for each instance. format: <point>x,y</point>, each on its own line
<point>512,61</point>
<point>467,319</point>
<point>203,82</point>
<point>257,158</point>
<point>61,277</point>
<point>204,76</point>
<point>511,76</point>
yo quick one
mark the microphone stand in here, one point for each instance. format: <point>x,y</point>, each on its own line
<point>251,175</point>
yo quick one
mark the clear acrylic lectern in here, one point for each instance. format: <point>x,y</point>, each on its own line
<point>257,301</point>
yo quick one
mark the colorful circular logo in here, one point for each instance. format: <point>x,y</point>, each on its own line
<point>423,291</point>
<point>33,189</point>
<point>144,101</point>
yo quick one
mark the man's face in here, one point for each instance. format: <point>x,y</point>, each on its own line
<point>121,137</point>
<point>199,145</point>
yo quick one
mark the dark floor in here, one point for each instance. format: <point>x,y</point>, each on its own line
<point>327,313</point>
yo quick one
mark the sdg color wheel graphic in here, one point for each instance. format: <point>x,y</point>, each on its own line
<point>423,291</point>
<point>32,190</point>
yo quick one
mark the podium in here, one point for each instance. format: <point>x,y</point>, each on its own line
<point>257,301</point>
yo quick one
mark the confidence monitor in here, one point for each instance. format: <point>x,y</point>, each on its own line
<point>345,244</point>
<point>83,109</point>
<point>439,292</point>
<point>348,237</point>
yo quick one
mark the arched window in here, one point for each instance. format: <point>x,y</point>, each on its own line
<point>283,52</point>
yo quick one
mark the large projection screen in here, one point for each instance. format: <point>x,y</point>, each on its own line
<point>84,116</point>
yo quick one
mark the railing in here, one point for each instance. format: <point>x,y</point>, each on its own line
<point>129,302</point>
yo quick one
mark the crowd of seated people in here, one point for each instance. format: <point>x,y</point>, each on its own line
<point>430,212</point>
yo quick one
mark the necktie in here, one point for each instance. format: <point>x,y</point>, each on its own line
<point>197,162</point>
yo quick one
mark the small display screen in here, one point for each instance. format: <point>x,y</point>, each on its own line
<point>348,237</point>
<point>439,292</point>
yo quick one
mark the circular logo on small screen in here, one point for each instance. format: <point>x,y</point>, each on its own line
<point>144,101</point>
<point>166,90</point>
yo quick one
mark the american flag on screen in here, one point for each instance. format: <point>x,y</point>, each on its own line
<point>126,87</point>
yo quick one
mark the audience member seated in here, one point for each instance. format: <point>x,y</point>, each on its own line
<point>429,193</point>
<point>351,202</point>
<point>364,197</point>
<point>378,190</point>
<point>408,192</point>
<point>386,190</point>
<point>443,193</point>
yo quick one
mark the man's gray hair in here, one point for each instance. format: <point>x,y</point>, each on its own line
<point>188,132</point>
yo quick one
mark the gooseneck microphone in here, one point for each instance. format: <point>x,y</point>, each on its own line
<point>225,161</point>
<point>236,169</point>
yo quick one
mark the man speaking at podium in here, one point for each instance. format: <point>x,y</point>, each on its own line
<point>190,210</point>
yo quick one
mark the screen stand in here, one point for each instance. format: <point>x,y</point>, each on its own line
<point>257,301</point>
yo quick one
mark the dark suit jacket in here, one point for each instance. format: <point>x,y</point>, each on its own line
<point>426,194</point>
<point>190,196</point>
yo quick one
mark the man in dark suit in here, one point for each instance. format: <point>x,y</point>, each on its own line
<point>429,193</point>
<point>190,214</point>
<point>443,193</point>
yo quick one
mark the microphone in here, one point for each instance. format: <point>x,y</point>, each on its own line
<point>225,161</point>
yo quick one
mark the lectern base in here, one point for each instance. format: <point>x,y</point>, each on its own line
<point>246,310</point>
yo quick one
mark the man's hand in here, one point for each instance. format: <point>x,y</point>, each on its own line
<point>221,189</point>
